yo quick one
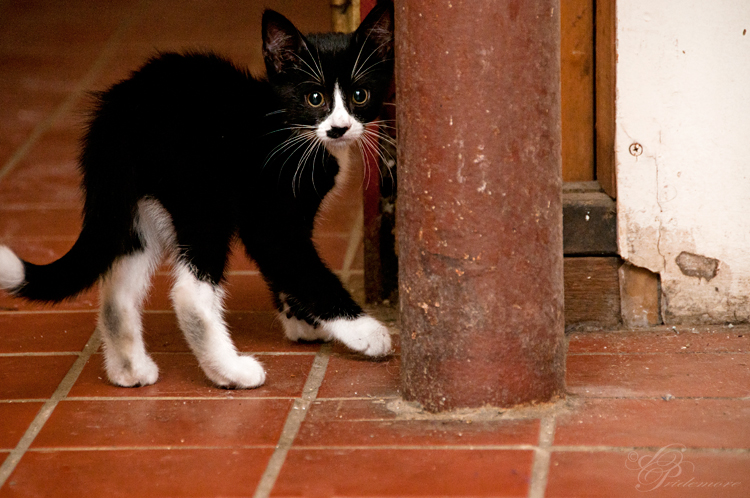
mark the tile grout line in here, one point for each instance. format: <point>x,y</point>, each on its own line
<point>75,95</point>
<point>540,467</point>
<point>293,422</point>
<point>49,406</point>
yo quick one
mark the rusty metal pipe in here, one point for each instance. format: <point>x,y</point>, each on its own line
<point>479,202</point>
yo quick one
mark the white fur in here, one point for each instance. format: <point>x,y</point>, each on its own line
<point>12,273</point>
<point>198,306</point>
<point>300,330</point>
<point>296,330</point>
<point>339,118</point>
<point>123,291</point>
<point>200,314</point>
<point>363,334</point>
<point>340,148</point>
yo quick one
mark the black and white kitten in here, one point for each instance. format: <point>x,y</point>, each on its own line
<point>191,152</point>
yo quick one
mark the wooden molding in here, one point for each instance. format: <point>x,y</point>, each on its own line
<point>606,62</point>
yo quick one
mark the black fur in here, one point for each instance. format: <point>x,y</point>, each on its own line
<point>203,137</point>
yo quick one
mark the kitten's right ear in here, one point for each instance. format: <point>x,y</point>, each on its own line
<point>282,42</point>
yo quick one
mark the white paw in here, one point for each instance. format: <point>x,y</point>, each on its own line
<point>131,373</point>
<point>363,334</point>
<point>296,330</point>
<point>239,372</point>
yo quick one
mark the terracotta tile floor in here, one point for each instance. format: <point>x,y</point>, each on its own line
<point>664,412</point>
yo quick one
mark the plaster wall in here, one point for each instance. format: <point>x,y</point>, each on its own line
<point>682,150</point>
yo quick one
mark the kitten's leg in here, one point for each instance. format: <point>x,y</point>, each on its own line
<point>199,308</point>
<point>312,302</point>
<point>123,290</point>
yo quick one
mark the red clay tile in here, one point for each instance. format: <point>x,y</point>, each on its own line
<point>335,222</point>
<point>695,423</point>
<point>239,261</point>
<point>87,301</point>
<point>45,183</point>
<point>16,418</point>
<point>45,332</point>
<point>613,475</point>
<point>39,223</point>
<point>251,332</point>
<point>46,29</point>
<point>332,249</point>
<point>181,376</point>
<point>32,377</point>
<point>370,423</point>
<point>245,292</point>
<point>226,423</point>
<point>404,472</point>
<point>262,332</point>
<point>656,375</point>
<point>359,259</point>
<point>248,293</point>
<point>42,252</point>
<point>354,376</point>
<point>148,473</point>
<point>683,339</point>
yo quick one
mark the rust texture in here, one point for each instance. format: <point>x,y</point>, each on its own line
<point>480,207</point>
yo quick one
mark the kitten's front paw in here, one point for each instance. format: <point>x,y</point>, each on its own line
<point>363,334</point>
<point>299,330</point>
<point>131,373</point>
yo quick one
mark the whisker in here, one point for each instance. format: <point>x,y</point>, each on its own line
<point>366,174</point>
<point>284,146</point>
<point>370,141</point>
<point>314,161</point>
<point>319,65</point>
<point>297,177</point>
<point>293,127</point>
<point>356,61</point>
<point>357,76</point>
<point>296,148</point>
<point>384,137</point>
<point>311,71</point>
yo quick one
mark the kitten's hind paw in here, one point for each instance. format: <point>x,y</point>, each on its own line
<point>363,334</point>
<point>131,373</point>
<point>235,372</point>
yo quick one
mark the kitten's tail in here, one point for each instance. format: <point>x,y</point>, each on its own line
<point>67,277</point>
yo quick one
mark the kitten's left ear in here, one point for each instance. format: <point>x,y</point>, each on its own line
<point>377,28</point>
<point>282,42</point>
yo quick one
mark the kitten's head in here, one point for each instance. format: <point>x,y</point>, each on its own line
<point>331,84</point>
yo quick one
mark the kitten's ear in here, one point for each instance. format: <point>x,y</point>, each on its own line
<point>281,42</point>
<point>377,28</point>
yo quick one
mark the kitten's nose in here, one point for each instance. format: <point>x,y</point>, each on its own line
<point>337,131</point>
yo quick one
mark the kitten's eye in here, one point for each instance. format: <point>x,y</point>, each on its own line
<point>360,96</point>
<point>315,99</point>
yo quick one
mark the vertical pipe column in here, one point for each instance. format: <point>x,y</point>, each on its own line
<point>479,202</point>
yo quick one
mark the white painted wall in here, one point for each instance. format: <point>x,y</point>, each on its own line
<point>683,93</point>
